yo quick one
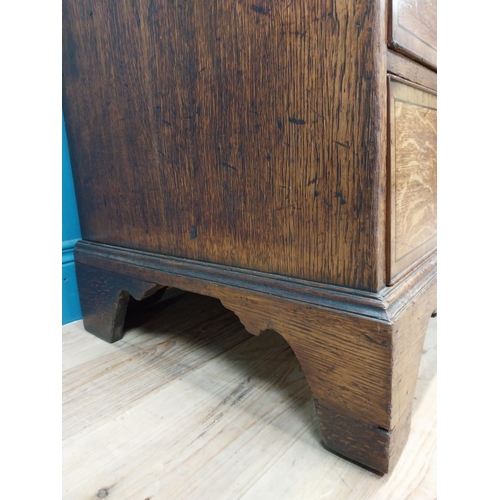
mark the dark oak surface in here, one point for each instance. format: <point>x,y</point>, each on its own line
<point>232,133</point>
<point>240,150</point>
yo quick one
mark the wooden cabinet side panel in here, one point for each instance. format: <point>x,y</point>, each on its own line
<point>245,134</point>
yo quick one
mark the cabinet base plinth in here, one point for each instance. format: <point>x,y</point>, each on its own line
<point>360,351</point>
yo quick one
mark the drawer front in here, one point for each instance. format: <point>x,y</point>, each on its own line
<point>414,29</point>
<point>412,175</point>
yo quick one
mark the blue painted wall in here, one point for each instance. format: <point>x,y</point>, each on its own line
<point>70,235</point>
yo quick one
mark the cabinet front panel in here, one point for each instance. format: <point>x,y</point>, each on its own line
<point>414,29</point>
<point>413,175</point>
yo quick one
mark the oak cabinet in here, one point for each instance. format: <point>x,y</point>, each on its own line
<point>278,155</point>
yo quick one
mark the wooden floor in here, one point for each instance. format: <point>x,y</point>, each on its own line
<point>190,406</point>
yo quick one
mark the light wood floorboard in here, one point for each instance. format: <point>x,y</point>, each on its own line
<point>190,406</point>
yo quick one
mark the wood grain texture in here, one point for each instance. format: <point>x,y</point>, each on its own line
<point>201,409</point>
<point>239,150</point>
<point>414,29</point>
<point>362,373</point>
<point>230,132</point>
<point>413,175</point>
<point>104,308</point>
<point>348,355</point>
<point>407,69</point>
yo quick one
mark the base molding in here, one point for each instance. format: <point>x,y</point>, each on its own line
<point>71,310</point>
<point>359,350</point>
<point>383,305</point>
